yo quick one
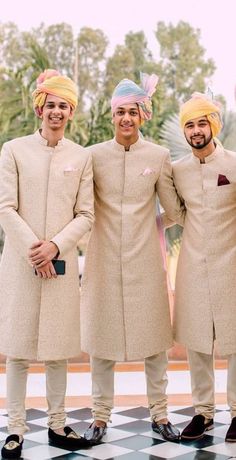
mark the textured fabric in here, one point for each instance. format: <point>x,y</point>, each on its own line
<point>16,376</point>
<point>124,300</point>
<point>156,379</point>
<point>16,371</point>
<point>103,386</point>
<point>56,379</point>
<point>203,383</point>
<point>102,374</point>
<point>51,82</point>
<point>128,92</point>
<point>205,290</point>
<point>45,193</point>
<point>231,390</point>
<point>199,105</point>
<point>201,368</point>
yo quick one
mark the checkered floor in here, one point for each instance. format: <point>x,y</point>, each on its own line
<point>129,437</point>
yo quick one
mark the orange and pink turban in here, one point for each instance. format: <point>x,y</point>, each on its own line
<point>128,92</point>
<point>199,105</point>
<point>52,82</point>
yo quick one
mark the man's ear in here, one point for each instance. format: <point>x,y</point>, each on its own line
<point>39,112</point>
<point>72,111</point>
<point>71,114</point>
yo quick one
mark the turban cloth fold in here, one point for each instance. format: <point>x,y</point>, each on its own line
<point>198,106</point>
<point>128,92</point>
<point>51,82</point>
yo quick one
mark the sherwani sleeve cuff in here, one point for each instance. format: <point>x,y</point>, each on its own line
<point>167,193</point>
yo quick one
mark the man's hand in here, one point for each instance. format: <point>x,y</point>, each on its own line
<point>47,271</point>
<point>42,252</point>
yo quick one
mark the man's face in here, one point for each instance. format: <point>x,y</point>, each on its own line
<point>56,112</point>
<point>198,132</point>
<point>127,121</point>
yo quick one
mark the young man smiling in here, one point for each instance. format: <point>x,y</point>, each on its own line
<point>46,205</point>
<point>205,290</point>
<point>124,303</point>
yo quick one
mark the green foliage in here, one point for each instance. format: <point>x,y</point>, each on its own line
<point>119,66</point>
<point>91,46</point>
<point>16,112</point>
<point>136,43</point>
<point>182,69</point>
<point>99,126</point>
<point>58,42</point>
<point>228,133</point>
<point>12,46</point>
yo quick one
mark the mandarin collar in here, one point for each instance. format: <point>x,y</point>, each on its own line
<point>44,141</point>
<point>121,147</point>
<point>218,151</point>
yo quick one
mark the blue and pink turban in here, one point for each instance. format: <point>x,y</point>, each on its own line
<point>52,82</point>
<point>128,92</point>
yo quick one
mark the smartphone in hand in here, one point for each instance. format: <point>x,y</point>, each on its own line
<point>59,265</point>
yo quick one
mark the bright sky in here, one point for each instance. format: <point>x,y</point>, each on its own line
<point>215,19</point>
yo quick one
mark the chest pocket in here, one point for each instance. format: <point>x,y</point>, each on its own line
<point>222,198</point>
<point>141,186</point>
<point>71,180</point>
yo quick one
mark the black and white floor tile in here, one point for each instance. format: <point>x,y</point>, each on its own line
<point>129,437</point>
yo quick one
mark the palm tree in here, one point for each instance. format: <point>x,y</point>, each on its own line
<point>16,111</point>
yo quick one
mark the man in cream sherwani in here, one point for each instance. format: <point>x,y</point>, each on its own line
<point>205,300</point>
<point>46,205</point>
<point>124,303</point>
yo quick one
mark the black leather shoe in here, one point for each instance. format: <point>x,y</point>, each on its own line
<point>231,433</point>
<point>94,434</point>
<point>168,431</point>
<point>196,428</point>
<point>12,447</point>
<point>71,440</point>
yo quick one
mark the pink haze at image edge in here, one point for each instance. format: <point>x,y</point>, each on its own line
<point>216,21</point>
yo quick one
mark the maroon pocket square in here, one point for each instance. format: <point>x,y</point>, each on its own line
<point>222,180</point>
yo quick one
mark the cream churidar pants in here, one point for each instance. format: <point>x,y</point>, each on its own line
<point>17,370</point>
<point>202,383</point>
<point>103,386</point>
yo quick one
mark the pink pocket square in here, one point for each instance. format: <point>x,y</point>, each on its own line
<point>70,169</point>
<point>148,171</point>
<point>222,180</point>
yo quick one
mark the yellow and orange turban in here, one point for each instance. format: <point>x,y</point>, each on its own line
<point>52,82</point>
<point>198,106</point>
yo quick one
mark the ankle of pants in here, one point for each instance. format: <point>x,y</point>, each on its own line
<point>19,429</point>
<point>158,412</point>
<point>56,421</point>
<point>56,373</point>
<point>101,412</point>
<point>207,413</point>
<point>16,372</point>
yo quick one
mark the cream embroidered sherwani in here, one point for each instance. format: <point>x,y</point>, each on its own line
<point>45,193</point>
